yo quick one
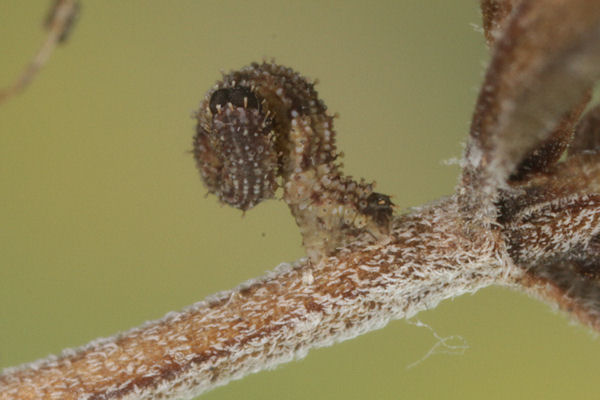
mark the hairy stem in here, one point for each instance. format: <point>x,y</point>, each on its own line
<point>275,319</point>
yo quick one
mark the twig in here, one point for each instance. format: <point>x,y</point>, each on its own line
<point>58,23</point>
<point>277,318</point>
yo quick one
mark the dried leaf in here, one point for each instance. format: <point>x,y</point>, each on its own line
<point>587,133</point>
<point>547,59</point>
<point>494,14</point>
<point>552,230</point>
<point>577,176</point>
<point>539,159</point>
<point>560,228</point>
<point>550,150</point>
<point>571,283</point>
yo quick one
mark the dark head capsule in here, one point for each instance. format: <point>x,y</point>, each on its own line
<point>237,97</point>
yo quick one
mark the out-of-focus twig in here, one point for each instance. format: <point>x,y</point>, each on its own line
<point>59,22</point>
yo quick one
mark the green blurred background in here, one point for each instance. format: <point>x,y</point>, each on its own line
<point>104,222</point>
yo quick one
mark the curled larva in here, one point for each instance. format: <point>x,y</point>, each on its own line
<point>234,146</point>
<point>264,127</point>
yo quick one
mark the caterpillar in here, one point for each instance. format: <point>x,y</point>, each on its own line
<point>264,127</point>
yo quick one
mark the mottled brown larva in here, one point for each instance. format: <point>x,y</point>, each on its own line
<point>234,147</point>
<point>264,127</point>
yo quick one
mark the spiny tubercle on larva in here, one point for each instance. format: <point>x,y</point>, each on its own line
<point>264,127</point>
